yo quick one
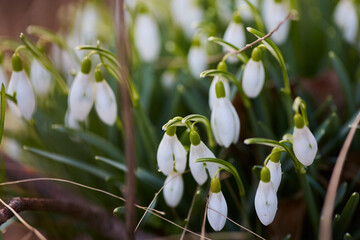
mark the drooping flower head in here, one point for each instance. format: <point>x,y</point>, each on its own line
<point>40,78</point>
<point>173,189</point>
<point>235,35</point>
<point>197,58</point>
<point>171,153</point>
<point>274,11</point>
<point>225,122</point>
<point>199,150</point>
<point>217,207</point>
<point>212,91</point>
<point>147,36</point>
<point>304,143</point>
<point>346,19</point>
<point>254,75</point>
<point>265,198</point>
<point>81,94</point>
<point>20,87</point>
<point>186,13</point>
<point>105,101</point>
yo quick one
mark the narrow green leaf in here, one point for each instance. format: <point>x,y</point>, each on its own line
<point>228,167</point>
<point>256,15</point>
<point>93,139</point>
<point>345,81</point>
<point>346,214</point>
<point>70,161</point>
<point>2,111</point>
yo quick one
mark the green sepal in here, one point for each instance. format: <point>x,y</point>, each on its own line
<point>298,121</point>
<point>265,175</point>
<point>194,138</point>
<point>98,75</point>
<point>171,131</point>
<point>215,185</point>
<point>220,89</point>
<point>86,65</point>
<point>17,63</point>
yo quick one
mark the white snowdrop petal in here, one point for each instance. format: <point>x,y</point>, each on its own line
<point>165,155</point>
<point>235,35</point>
<point>266,202</point>
<point>40,78</point>
<point>253,78</point>
<point>25,97</point>
<point>81,96</point>
<point>304,145</point>
<point>186,21</point>
<point>244,8</point>
<point>105,103</point>
<point>212,91</point>
<point>180,155</point>
<point>70,121</point>
<point>346,19</point>
<point>197,60</point>
<point>173,189</point>
<point>275,173</point>
<point>225,122</point>
<point>217,202</point>
<point>273,14</point>
<point>198,170</point>
<point>147,37</point>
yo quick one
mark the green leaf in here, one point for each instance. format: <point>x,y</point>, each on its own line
<point>228,167</point>
<point>2,111</point>
<point>45,62</point>
<point>242,56</point>
<point>256,15</point>
<point>346,215</point>
<point>345,81</point>
<point>93,139</point>
<point>141,173</point>
<point>70,161</point>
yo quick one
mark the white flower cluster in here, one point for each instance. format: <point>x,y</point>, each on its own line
<point>171,160</point>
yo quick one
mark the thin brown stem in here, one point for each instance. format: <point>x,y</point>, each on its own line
<point>325,231</point>
<point>204,221</point>
<point>190,211</point>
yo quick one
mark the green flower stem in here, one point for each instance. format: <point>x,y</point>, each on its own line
<point>257,17</point>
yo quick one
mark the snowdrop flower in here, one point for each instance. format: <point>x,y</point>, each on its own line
<point>199,150</point>
<point>245,10</point>
<point>254,75</point>
<point>225,122</point>
<point>235,35</point>
<point>40,78</point>
<point>81,94</point>
<point>265,198</point>
<point>197,58</point>
<point>186,13</point>
<point>217,202</point>
<point>274,11</point>
<point>346,19</point>
<point>20,86</point>
<point>212,92</point>
<point>147,37</point>
<point>173,189</point>
<point>171,153</point>
<point>274,167</point>
<point>64,62</point>
<point>105,102</point>
<point>304,143</point>
<point>70,121</point>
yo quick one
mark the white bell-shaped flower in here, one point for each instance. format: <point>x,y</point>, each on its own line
<point>199,150</point>
<point>274,167</point>
<point>147,37</point>
<point>2,77</point>
<point>186,13</point>
<point>245,11</point>
<point>212,91</point>
<point>217,207</point>
<point>197,59</point>
<point>273,13</point>
<point>20,86</point>
<point>346,19</point>
<point>81,94</point>
<point>235,35</point>
<point>254,75</point>
<point>304,143</point>
<point>265,199</point>
<point>70,121</point>
<point>225,122</point>
<point>173,189</point>
<point>171,153</point>
<point>40,78</point>
<point>105,101</point>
